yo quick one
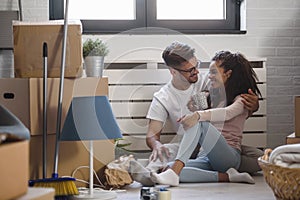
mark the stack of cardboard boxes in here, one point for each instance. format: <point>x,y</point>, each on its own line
<point>23,96</point>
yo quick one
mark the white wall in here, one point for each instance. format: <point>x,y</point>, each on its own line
<point>273,32</point>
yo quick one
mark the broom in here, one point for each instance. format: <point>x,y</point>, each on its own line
<point>64,186</point>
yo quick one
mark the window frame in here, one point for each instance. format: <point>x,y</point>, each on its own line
<point>147,23</point>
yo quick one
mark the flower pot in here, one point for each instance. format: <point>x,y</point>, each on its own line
<point>94,66</point>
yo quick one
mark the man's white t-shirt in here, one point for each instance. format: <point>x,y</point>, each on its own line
<point>171,103</point>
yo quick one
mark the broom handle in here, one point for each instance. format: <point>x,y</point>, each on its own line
<point>60,97</point>
<point>20,10</point>
<point>45,55</point>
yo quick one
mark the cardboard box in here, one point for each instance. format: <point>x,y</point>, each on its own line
<point>29,38</point>
<point>297,116</point>
<point>14,169</point>
<point>24,98</point>
<point>291,139</point>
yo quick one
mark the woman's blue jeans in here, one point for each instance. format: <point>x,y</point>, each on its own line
<point>215,155</point>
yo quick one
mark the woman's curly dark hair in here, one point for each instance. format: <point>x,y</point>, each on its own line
<point>242,78</point>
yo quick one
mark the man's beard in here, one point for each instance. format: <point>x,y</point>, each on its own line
<point>192,79</point>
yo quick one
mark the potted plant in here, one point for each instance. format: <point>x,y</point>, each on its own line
<point>94,52</point>
<point>121,149</point>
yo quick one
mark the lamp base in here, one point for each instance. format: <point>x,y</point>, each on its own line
<point>103,195</point>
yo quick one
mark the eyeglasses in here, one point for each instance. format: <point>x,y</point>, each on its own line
<point>190,70</point>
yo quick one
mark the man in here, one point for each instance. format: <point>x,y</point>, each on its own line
<point>171,101</point>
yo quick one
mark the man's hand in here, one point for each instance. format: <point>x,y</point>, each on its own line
<point>250,101</point>
<point>159,151</point>
<point>153,141</point>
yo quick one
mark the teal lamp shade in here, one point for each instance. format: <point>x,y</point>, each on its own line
<point>90,118</point>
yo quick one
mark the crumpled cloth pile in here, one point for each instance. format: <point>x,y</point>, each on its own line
<point>116,172</point>
<point>286,156</point>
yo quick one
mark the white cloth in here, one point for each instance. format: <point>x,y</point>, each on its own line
<point>121,163</point>
<point>286,156</point>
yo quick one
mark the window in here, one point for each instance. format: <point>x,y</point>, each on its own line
<point>153,16</point>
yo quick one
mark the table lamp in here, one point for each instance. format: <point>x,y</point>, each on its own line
<point>90,118</point>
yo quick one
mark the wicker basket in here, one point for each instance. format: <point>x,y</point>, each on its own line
<point>285,182</point>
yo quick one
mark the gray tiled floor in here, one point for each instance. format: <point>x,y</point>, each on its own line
<point>204,191</point>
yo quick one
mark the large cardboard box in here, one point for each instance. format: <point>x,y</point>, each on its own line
<point>14,169</point>
<point>297,116</point>
<point>24,98</point>
<point>29,38</point>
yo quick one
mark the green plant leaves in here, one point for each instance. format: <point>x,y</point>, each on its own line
<point>95,48</point>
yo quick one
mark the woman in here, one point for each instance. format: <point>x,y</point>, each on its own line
<point>231,75</point>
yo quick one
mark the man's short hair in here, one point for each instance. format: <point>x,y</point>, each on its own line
<point>176,54</point>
